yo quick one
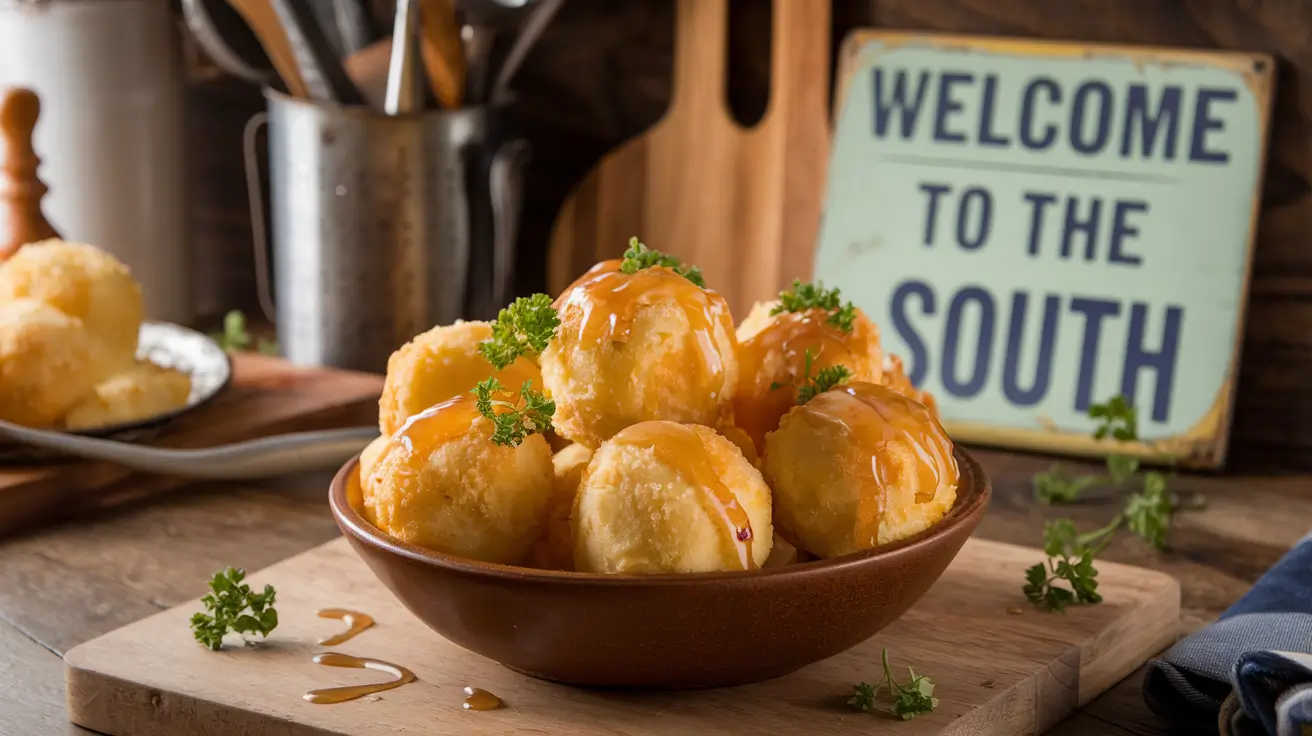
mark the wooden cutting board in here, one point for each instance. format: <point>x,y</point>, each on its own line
<point>743,204</point>
<point>1000,666</point>
<point>267,396</point>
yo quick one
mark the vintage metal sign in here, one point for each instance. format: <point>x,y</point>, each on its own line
<point>1038,227</point>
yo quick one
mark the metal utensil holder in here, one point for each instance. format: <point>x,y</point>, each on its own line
<point>382,226</point>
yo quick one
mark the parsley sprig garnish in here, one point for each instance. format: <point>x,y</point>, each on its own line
<point>815,296</point>
<point>523,328</point>
<point>1070,560</point>
<point>1148,512</point>
<point>234,607</point>
<point>639,256</point>
<point>514,422</point>
<point>910,700</point>
<point>235,337</point>
<point>813,386</point>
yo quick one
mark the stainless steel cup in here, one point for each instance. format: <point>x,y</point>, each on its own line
<point>378,223</point>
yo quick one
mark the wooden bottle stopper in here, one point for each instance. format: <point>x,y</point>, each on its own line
<point>21,219</point>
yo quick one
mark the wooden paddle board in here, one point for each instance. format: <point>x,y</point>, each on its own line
<point>743,204</point>
<point>1000,666</point>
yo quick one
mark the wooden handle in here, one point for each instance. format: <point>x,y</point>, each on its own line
<point>263,20</point>
<point>442,51</point>
<point>700,41</point>
<point>21,219</point>
<point>368,69</point>
<point>799,97</point>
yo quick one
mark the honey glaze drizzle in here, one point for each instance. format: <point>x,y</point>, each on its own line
<point>476,698</point>
<point>355,621</point>
<point>681,448</point>
<point>784,343</point>
<point>424,432</point>
<point>876,416</point>
<point>331,695</point>
<point>609,300</point>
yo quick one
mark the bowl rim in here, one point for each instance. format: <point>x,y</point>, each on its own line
<point>965,510</point>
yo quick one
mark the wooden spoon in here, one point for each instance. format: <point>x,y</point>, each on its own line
<point>368,69</point>
<point>442,51</point>
<point>263,20</point>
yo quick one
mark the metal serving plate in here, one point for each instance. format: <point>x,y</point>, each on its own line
<point>167,345</point>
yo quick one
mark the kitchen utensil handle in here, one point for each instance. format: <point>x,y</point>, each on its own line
<point>476,165</point>
<point>353,25</point>
<point>505,188</point>
<point>259,237</point>
<point>442,51</point>
<point>403,96</point>
<point>528,35</point>
<point>262,19</point>
<point>201,25</point>
<point>700,38</point>
<point>324,77</point>
<point>284,454</point>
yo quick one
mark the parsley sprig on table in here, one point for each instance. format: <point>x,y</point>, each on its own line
<point>514,422</point>
<point>1070,560</point>
<point>1148,512</point>
<point>233,607</point>
<point>910,700</point>
<point>523,328</point>
<point>822,381</point>
<point>815,296</point>
<point>639,256</point>
<point>235,336</point>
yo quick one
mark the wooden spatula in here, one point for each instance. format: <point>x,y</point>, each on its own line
<point>744,204</point>
<point>263,20</point>
<point>441,50</point>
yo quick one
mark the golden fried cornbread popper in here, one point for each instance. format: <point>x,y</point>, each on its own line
<point>640,339</point>
<point>696,447</point>
<point>70,319</point>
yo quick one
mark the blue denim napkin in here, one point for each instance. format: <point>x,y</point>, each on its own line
<point>1250,673</point>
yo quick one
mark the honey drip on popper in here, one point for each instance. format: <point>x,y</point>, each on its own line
<point>609,300</point>
<point>682,449</point>
<point>424,432</point>
<point>763,395</point>
<point>476,698</point>
<point>879,419</point>
<point>355,621</point>
<point>331,695</point>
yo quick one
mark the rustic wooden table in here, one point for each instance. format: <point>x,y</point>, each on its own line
<point>64,585</point>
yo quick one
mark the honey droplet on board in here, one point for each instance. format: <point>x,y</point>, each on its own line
<point>328,696</point>
<point>476,698</point>
<point>354,620</point>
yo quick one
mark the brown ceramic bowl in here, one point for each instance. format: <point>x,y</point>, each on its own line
<point>664,631</point>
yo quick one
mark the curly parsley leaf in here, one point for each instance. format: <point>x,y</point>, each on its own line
<point>513,422</point>
<point>915,698</point>
<point>1070,561</point>
<point>233,607</point>
<point>1117,419</point>
<point>523,328</point>
<point>1121,468</point>
<point>639,256</point>
<point>1148,513</point>
<point>815,296</point>
<point>822,381</point>
<point>863,696</point>
<point>1055,485</point>
<point>235,336</point>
